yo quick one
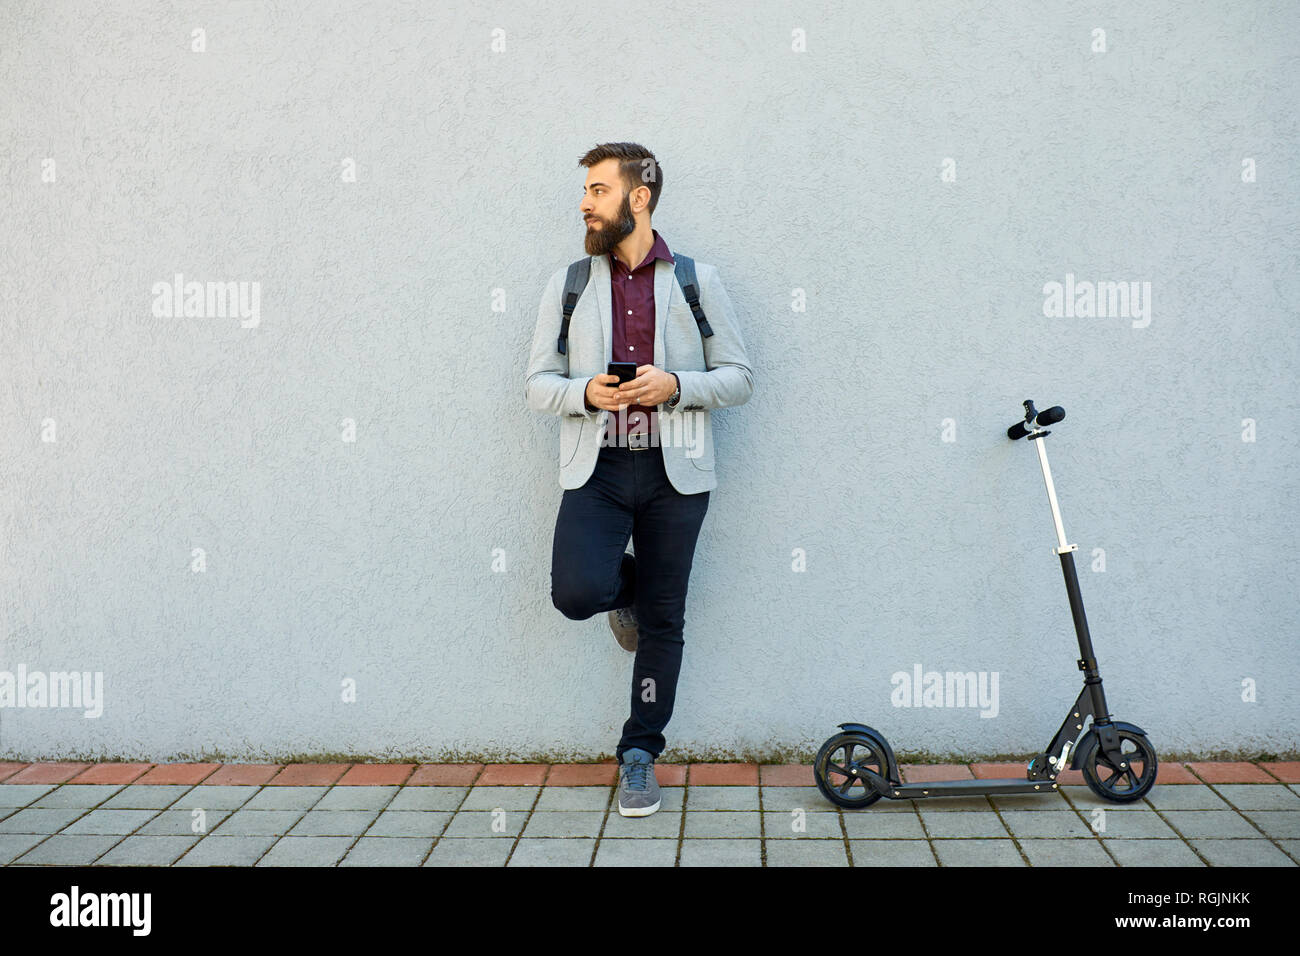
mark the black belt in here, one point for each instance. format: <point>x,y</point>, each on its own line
<point>636,441</point>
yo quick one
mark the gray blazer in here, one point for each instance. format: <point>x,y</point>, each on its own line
<point>714,372</point>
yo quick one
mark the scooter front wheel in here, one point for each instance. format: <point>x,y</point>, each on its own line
<point>1115,783</point>
<point>834,766</point>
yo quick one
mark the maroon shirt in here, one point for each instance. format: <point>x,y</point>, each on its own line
<point>633,325</point>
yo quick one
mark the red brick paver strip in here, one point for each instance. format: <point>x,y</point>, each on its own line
<point>111,773</point>
<point>9,769</point>
<point>787,775</point>
<point>1230,772</point>
<point>178,774</point>
<point>584,774</point>
<point>1174,773</point>
<point>444,775</point>
<point>243,775</point>
<point>926,772</point>
<point>60,772</point>
<point>1287,772</point>
<point>377,775</point>
<point>997,771</point>
<point>308,775</point>
<point>513,774</point>
<point>724,775</point>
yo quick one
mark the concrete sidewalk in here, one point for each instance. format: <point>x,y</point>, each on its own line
<point>1198,814</point>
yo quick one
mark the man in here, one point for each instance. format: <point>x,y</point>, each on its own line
<point>634,472</point>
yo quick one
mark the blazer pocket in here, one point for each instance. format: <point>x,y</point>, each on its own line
<point>570,439</point>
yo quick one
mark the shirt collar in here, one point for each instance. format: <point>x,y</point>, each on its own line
<point>657,251</point>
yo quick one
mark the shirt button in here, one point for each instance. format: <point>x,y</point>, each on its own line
<point>629,311</point>
<point>631,348</point>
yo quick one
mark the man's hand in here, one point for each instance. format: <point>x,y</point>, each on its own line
<point>652,386</point>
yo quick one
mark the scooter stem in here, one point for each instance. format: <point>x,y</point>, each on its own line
<point>1037,437</point>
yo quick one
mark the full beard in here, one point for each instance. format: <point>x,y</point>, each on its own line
<point>599,242</point>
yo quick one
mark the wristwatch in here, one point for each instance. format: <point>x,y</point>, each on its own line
<point>677,395</point>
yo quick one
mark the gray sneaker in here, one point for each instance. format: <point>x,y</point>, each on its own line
<point>638,790</point>
<point>623,623</point>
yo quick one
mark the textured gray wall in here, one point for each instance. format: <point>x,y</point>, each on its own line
<point>404,302</point>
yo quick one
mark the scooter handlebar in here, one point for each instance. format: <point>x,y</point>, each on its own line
<point>1049,416</point>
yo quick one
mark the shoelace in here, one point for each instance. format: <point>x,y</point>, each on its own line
<point>626,617</point>
<point>635,775</point>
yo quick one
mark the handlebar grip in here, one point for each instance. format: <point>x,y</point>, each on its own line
<point>1049,416</point>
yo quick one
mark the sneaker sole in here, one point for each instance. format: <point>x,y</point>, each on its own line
<point>638,811</point>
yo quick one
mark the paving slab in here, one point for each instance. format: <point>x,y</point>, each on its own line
<point>110,821</point>
<point>147,851</point>
<point>333,823</point>
<point>83,795</point>
<point>1184,797</point>
<point>1050,824</point>
<point>977,853</point>
<point>1152,853</point>
<point>575,798</point>
<point>22,794</point>
<point>722,823</point>
<point>723,798</point>
<point>217,797</point>
<point>973,823</point>
<point>806,853</point>
<point>552,852</point>
<point>61,850</point>
<point>307,851</point>
<point>258,822</point>
<point>356,798</point>
<point>637,852</point>
<point>14,845</point>
<point>885,826</point>
<point>485,824</point>
<point>423,824</point>
<point>1066,852</point>
<point>1210,824</point>
<point>799,825</point>
<point>469,852</point>
<point>215,850</point>
<point>721,853</point>
<point>1241,853</point>
<point>145,797</point>
<point>564,823</point>
<point>885,853</point>
<point>285,798</point>
<point>388,851</point>
<point>428,798</point>
<point>33,820</point>
<point>505,798</point>
<point>1259,796</point>
<point>183,823</point>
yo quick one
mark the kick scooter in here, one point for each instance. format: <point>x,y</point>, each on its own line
<point>856,768</point>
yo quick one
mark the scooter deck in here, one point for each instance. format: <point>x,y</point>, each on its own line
<point>958,788</point>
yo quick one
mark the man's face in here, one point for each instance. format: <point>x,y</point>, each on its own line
<point>605,208</point>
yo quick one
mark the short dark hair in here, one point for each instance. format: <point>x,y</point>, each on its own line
<point>637,166</point>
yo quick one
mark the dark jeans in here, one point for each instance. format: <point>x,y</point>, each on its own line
<point>629,494</point>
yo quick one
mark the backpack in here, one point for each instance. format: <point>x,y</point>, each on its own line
<point>575,282</point>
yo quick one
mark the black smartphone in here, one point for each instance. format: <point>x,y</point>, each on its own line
<point>626,371</point>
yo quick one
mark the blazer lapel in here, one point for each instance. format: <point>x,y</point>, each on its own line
<point>663,287</point>
<point>604,302</point>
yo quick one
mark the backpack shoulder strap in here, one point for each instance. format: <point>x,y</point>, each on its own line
<point>574,284</point>
<point>685,269</point>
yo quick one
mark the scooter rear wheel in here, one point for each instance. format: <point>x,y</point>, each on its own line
<point>833,769</point>
<point>1121,784</point>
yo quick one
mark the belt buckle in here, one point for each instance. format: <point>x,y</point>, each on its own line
<point>638,441</point>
